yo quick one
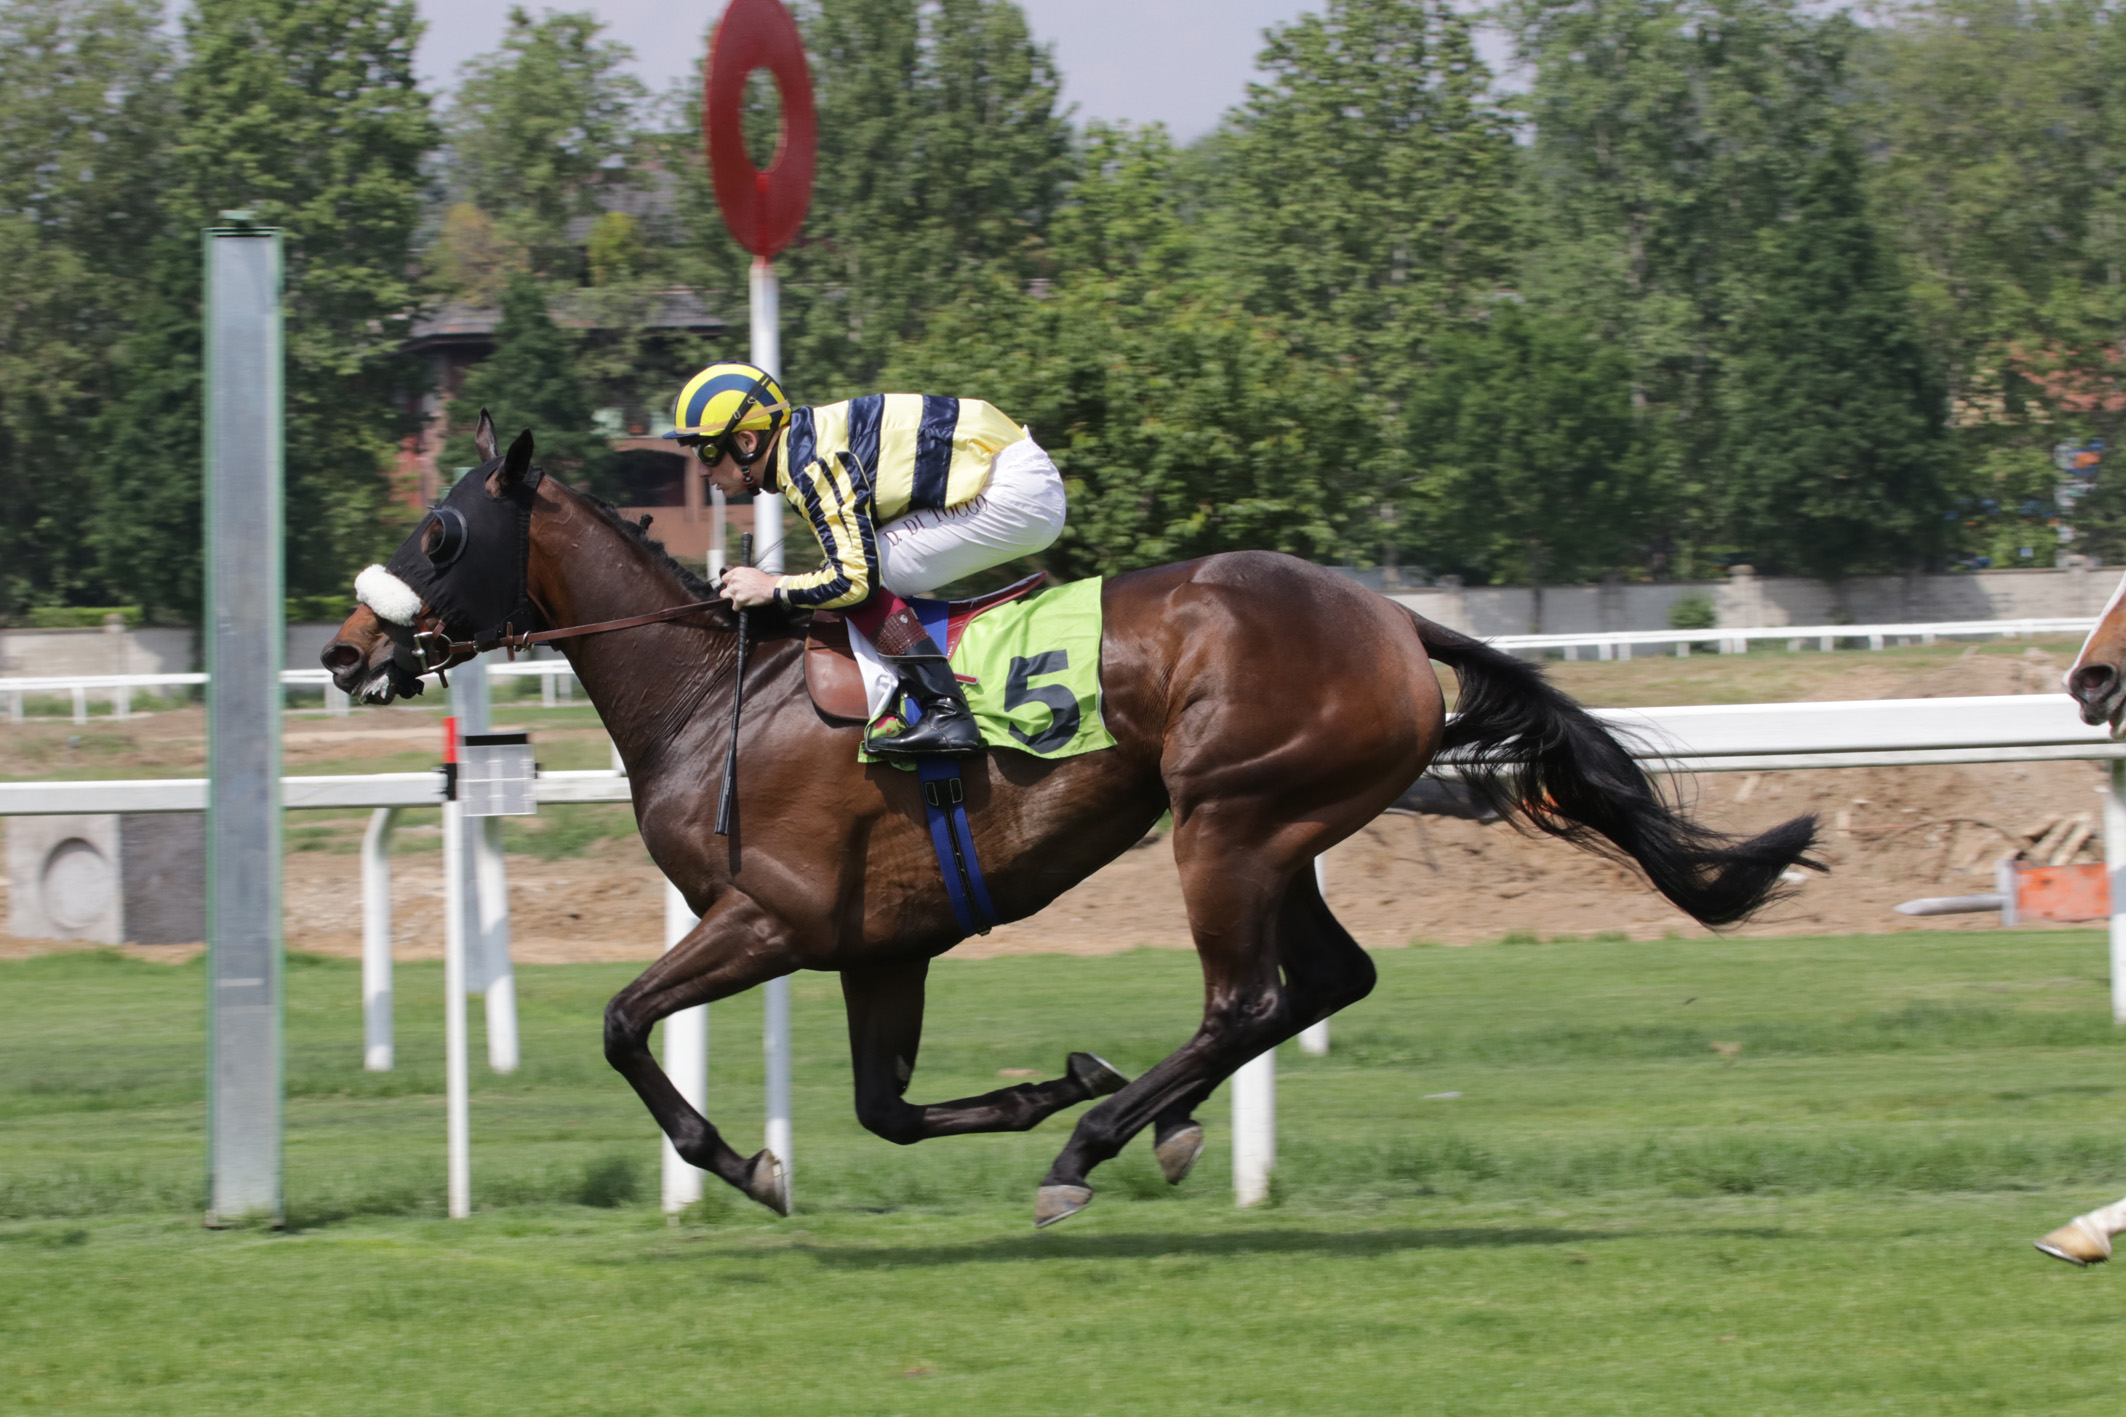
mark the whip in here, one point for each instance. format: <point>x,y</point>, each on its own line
<point>729,801</point>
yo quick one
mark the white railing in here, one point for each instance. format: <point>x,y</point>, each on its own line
<point>556,676</point>
<point>1618,644</point>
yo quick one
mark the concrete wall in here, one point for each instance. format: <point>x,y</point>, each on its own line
<point>1746,600</point>
<point>157,649</point>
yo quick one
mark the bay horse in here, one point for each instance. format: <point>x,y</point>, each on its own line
<point>1273,707</point>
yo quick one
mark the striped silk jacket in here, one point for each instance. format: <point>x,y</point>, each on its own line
<point>847,467</point>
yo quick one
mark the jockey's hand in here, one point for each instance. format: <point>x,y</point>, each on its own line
<point>747,586</point>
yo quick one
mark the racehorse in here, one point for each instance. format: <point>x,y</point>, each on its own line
<point>1271,706</point>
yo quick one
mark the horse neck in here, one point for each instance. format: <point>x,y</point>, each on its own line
<point>647,682</point>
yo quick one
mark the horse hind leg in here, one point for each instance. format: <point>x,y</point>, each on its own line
<point>1324,970</point>
<point>885,1009</point>
<point>701,969</point>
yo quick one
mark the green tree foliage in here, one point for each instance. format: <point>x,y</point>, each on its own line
<point>1184,424</point>
<point>538,131</point>
<point>85,106</point>
<point>307,113</point>
<point>1531,461</point>
<point>1835,446</point>
<point>530,382</point>
<point>942,160</point>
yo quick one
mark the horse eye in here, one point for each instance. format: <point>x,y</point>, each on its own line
<point>443,538</point>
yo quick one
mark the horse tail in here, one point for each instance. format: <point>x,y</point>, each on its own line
<point>1541,760</point>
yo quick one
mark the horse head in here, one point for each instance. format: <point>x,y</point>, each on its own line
<point>2097,679</point>
<point>456,585</point>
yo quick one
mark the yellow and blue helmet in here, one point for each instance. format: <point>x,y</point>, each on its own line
<point>725,398</point>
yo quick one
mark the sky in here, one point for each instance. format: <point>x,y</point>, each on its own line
<point>1179,62</point>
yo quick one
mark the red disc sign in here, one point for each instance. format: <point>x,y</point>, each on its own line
<point>763,209</point>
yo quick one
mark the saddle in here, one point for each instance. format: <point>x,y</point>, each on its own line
<point>831,673</point>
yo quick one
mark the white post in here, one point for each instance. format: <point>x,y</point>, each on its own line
<point>775,1048</point>
<point>122,701</point>
<point>1314,1038</point>
<point>492,900</point>
<point>719,525</point>
<point>2115,867</point>
<point>14,707</point>
<point>766,319</point>
<point>377,1053</point>
<point>547,693</point>
<point>81,704</point>
<point>686,1060</point>
<point>336,703</point>
<point>456,1104</point>
<point>1254,1129</point>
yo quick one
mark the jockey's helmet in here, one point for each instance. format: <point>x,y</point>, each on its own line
<point>723,399</point>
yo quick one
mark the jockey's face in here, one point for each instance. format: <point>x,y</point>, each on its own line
<point>725,474</point>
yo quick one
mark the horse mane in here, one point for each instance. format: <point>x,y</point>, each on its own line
<point>771,619</point>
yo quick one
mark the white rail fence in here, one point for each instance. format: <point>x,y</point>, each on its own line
<point>557,679</point>
<point>1702,738</point>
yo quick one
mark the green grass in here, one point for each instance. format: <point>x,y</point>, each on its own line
<point>1612,1216</point>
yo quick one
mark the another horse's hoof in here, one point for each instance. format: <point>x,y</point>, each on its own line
<point>2078,1244</point>
<point>1177,1152</point>
<point>768,1183</point>
<point>1095,1074</point>
<point>1053,1203</point>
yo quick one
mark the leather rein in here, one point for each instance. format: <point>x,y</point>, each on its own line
<point>439,643</point>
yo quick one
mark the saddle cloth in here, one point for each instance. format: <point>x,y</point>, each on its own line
<point>1029,663</point>
<point>836,681</point>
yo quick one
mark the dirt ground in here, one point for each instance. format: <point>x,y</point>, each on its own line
<point>1889,834</point>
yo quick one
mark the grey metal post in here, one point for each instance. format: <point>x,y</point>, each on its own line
<point>243,525</point>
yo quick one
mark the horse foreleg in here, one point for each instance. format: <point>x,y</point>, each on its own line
<point>734,947</point>
<point>885,1007</point>
<point>2086,1239</point>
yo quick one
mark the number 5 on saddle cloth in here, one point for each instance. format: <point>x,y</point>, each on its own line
<point>1030,667</point>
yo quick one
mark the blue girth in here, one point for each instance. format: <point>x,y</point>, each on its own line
<point>945,802</point>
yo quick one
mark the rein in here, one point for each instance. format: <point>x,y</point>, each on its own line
<point>438,643</point>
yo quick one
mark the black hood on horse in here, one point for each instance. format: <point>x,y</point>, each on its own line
<point>467,558</point>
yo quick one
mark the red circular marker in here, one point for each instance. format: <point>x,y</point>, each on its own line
<point>764,209</point>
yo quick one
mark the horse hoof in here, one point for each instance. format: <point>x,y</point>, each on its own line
<point>1053,1203</point>
<point>1095,1074</point>
<point>1178,1150</point>
<point>2077,1244</point>
<point>768,1183</point>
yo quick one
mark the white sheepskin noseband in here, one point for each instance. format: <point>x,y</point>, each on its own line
<point>391,598</point>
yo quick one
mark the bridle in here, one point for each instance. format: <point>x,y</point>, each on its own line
<point>433,649</point>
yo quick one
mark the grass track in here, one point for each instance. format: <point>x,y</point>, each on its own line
<point>1612,1217</point>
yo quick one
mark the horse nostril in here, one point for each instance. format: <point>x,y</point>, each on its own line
<point>339,655</point>
<point>2092,681</point>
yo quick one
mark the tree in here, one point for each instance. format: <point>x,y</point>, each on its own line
<point>1183,424</point>
<point>84,116</point>
<point>1834,418</point>
<point>530,382</point>
<point>1663,143</point>
<point>538,130</point>
<point>941,163</point>
<point>306,112</point>
<point>1531,462</point>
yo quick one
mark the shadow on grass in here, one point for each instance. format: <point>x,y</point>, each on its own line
<point>1013,1249</point>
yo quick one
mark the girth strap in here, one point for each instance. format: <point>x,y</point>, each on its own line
<point>945,803</point>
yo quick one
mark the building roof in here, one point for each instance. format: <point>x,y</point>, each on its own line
<point>472,327</point>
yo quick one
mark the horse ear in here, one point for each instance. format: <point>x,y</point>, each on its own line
<point>515,463</point>
<point>483,438</point>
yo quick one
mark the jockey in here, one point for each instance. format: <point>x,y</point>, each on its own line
<point>905,492</point>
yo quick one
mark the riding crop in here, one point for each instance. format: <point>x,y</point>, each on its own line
<point>728,803</point>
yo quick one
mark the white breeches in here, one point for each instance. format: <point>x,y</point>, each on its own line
<point>1018,513</point>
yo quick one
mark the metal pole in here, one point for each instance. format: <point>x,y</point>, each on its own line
<point>486,904</point>
<point>719,531</point>
<point>1314,1038</point>
<point>766,325</point>
<point>1254,1129</point>
<point>377,1052</point>
<point>244,645</point>
<point>2115,867</point>
<point>686,1060</point>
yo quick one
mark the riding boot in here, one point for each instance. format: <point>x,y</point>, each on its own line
<point>947,727</point>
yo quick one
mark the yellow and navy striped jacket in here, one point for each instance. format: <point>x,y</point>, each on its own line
<point>846,467</point>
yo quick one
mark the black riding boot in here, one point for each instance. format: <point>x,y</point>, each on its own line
<point>947,727</point>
